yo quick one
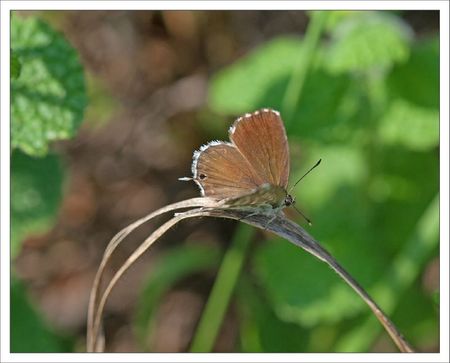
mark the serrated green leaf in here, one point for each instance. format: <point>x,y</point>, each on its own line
<point>171,268</point>
<point>15,66</point>
<point>36,188</point>
<point>49,98</point>
<point>414,127</point>
<point>369,41</point>
<point>246,84</point>
<point>417,80</point>
<point>29,333</point>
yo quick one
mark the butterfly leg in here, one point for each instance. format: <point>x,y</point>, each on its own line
<point>270,221</point>
<point>248,215</point>
<point>261,210</point>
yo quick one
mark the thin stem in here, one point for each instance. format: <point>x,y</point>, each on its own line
<point>222,291</point>
<point>113,244</point>
<point>301,69</point>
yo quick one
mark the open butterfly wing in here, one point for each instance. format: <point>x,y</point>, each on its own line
<point>221,171</point>
<point>261,139</point>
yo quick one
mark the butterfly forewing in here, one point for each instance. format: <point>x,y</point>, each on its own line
<point>261,138</point>
<point>221,171</point>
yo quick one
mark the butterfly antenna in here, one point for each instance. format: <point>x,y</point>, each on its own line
<point>311,169</point>
<point>305,217</point>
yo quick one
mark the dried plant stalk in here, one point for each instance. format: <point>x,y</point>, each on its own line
<point>281,226</point>
<point>92,340</point>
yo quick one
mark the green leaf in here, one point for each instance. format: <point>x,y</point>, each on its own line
<point>302,289</point>
<point>15,66</point>
<point>171,268</point>
<point>423,330</point>
<point>249,83</point>
<point>370,40</point>
<point>400,191</point>
<point>402,272</point>
<point>342,166</point>
<point>414,127</point>
<point>36,188</point>
<point>29,333</point>
<point>321,100</point>
<point>49,98</point>
<point>336,17</point>
<point>261,330</point>
<point>417,80</point>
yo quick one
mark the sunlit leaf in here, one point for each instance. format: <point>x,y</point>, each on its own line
<point>370,40</point>
<point>336,17</point>
<point>248,83</point>
<point>341,165</point>
<point>49,97</point>
<point>414,127</point>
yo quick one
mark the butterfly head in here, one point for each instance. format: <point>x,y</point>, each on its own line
<point>289,200</point>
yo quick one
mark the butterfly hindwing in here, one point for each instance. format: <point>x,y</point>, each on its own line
<point>264,195</point>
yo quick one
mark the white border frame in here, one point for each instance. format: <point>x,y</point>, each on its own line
<point>443,6</point>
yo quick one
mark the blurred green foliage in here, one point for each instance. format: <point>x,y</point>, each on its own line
<point>15,66</point>
<point>246,84</point>
<point>378,140</point>
<point>366,41</point>
<point>48,99</point>
<point>369,107</point>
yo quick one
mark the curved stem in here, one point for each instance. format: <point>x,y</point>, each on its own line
<point>113,244</point>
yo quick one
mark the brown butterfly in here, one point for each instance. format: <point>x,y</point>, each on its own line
<point>251,171</point>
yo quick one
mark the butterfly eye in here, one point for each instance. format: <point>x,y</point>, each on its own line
<point>202,176</point>
<point>289,200</point>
